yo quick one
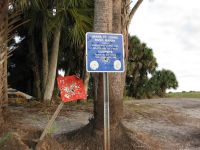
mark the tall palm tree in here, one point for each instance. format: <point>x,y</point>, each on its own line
<point>57,16</point>
<point>163,80</point>
<point>141,62</point>
<point>3,55</point>
<point>118,17</point>
<point>102,23</point>
<point>117,80</point>
<point>65,11</point>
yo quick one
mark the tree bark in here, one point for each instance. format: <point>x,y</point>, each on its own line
<point>127,16</point>
<point>3,57</point>
<point>125,21</point>
<point>86,81</point>
<point>85,75</point>
<point>119,18</point>
<point>103,16</point>
<point>116,80</point>
<point>133,10</point>
<point>53,66</point>
<point>35,68</point>
<point>124,27</point>
<point>45,60</point>
<point>102,23</point>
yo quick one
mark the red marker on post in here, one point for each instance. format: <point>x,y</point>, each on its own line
<point>71,89</point>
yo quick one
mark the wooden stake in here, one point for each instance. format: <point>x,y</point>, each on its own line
<point>50,123</point>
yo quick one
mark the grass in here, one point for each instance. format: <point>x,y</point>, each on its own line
<point>4,139</point>
<point>191,94</point>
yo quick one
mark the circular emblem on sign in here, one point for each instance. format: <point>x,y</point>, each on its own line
<point>117,65</point>
<point>94,65</point>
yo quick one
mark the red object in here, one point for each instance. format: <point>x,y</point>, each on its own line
<point>71,88</point>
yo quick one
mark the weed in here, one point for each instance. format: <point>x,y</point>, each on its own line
<point>5,138</point>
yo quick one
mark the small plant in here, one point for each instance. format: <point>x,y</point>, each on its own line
<point>53,129</point>
<point>5,138</point>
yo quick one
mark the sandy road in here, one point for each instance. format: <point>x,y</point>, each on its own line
<point>172,123</point>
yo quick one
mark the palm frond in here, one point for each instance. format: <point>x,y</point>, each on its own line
<point>81,24</point>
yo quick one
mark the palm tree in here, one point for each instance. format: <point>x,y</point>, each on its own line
<point>117,80</point>
<point>163,80</point>
<point>126,17</point>
<point>102,23</point>
<point>119,19</point>
<point>56,16</point>
<point>3,56</point>
<point>141,62</point>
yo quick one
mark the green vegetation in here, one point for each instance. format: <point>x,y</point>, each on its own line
<point>191,94</point>
<point>142,64</point>
<point>161,81</point>
<point>5,138</point>
<point>53,38</point>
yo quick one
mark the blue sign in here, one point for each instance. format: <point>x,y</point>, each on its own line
<point>104,52</point>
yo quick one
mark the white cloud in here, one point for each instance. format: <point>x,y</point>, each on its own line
<point>171,28</point>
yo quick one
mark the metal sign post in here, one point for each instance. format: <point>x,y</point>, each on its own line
<point>106,112</point>
<point>105,53</point>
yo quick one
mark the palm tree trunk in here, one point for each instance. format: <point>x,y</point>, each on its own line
<point>3,57</point>
<point>125,23</point>
<point>127,16</point>
<point>35,68</point>
<point>116,21</point>
<point>102,23</point>
<point>86,81</point>
<point>103,16</point>
<point>85,75</point>
<point>124,28</point>
<point>52,68</point>
<point>116,79</point>
<point>45,61</point>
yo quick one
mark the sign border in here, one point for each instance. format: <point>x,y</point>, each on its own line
<point>123,53</point>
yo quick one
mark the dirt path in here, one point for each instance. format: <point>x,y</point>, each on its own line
<point>169,124</point>
<point>65,122</point>
<point>172,123</point>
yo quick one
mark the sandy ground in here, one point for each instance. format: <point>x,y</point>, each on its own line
<point>65,122</point>
<point>173,124</point>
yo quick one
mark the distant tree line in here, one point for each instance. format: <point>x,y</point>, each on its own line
<point>143,80</point>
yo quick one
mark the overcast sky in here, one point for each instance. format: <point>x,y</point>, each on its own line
<point>172,29</point>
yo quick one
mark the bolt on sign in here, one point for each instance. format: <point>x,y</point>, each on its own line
<point>71,88</point>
